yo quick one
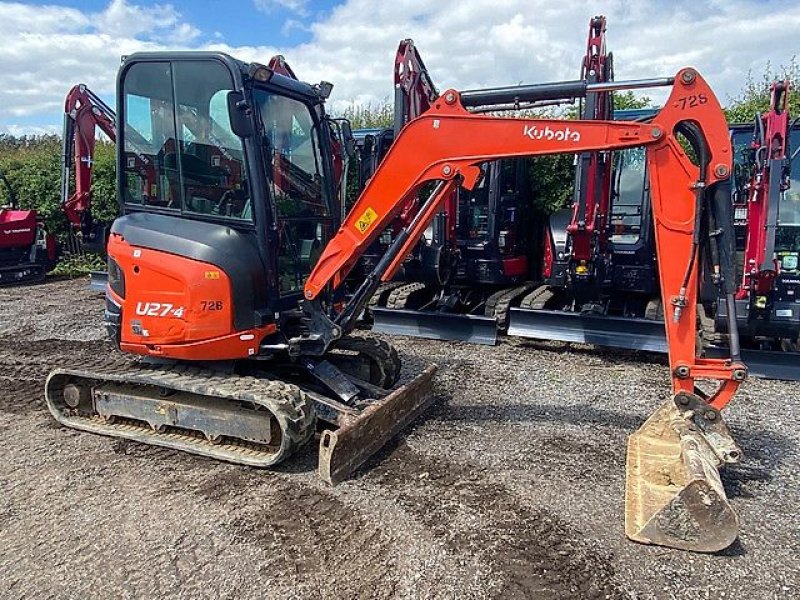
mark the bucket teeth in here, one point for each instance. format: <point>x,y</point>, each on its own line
<point>673,495</point>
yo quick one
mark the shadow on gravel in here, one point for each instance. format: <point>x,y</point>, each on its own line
<point>764,451</point>
<point>538,413</point>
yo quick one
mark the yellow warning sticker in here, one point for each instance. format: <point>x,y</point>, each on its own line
<point>365,220</point>
<point>212,274</point>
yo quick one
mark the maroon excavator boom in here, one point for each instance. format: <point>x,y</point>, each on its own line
<point>84,113</point>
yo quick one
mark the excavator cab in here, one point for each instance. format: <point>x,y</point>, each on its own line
<point>268,190</point>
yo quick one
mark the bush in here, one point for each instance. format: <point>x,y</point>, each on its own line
<point>32,166</point>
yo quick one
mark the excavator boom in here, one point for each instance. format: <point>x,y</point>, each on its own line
<point>686,436</point>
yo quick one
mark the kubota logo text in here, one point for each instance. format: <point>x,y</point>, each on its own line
<point>560,135</point>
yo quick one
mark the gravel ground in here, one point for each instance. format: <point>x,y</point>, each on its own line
<point>511,487</point>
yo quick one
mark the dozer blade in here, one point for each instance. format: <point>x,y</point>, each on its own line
<point>765,364</point>
<point>436,325</point>
<point>98,281</point>
<point>562,326</point>
<point>358,437</point>
<point>673,493</point>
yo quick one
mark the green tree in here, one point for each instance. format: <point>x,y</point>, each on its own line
<point>32,166</point>
<point>370,116</point>
<point>553,177</point>
<point>754,97</point>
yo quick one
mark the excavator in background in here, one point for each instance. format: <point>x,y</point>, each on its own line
<point>767,220</point>
<point>600,277</point>
<point>27,250</point>
<point>246,350</point>
<point>477,255</point>
<point>84,114</point>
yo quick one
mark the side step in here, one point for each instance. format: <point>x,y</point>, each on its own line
<point>436,325</point>
<point>615,332</point>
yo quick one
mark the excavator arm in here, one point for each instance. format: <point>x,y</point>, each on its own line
<point>447,143</point>
<point>770,177</point>
<point>84,113</point>
<point>691,205</point>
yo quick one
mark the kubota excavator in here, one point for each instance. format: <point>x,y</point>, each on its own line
<point>246,349</point>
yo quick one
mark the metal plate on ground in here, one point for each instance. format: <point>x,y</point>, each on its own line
<point>766,364</point>
<point>614,332</point>
<point>359,437</point>
<point>436,325</point>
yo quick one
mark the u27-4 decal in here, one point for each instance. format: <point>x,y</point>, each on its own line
<point>159,309</point>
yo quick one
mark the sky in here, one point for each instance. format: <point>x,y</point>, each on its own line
<point>46,47</point>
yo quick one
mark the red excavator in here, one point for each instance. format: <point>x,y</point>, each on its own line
<point>245,345</point>
<point>767,219</point>
<point>477,255</point>
<point>27,250</point>
<point>599,275</point>
<point>84,113</point>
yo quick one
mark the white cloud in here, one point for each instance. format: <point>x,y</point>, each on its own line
<point>479,43</point>
<point>296,6</point>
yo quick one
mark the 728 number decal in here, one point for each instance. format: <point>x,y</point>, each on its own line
<point>211,305</point>
<point>691,101</point>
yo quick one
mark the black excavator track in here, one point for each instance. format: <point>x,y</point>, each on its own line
<point>251,420</point>
<point>499,303</point>
<point>187,408</point>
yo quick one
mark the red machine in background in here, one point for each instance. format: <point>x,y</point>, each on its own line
<point>767,217</point>
<point>600,279</point>
<point>476,256</point>
<point>587,254</point>
<point>27,250</point>
<point>84,113</point>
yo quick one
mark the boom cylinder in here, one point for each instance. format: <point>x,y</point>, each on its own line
<point>553,91</point>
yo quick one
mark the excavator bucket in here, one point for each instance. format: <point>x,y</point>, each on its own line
<point>673,494</point>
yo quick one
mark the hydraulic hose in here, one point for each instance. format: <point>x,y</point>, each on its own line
<point>695,137</point>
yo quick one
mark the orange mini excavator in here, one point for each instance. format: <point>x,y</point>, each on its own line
<point>226,272</point>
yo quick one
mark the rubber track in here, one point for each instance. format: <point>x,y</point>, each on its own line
<point>384,288</point>
<point>537,299</point>
<point>654,311</point>
<point>399,297</point>
<point>383,353</point>
<point>497,304</point>
<point>286,402</point>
